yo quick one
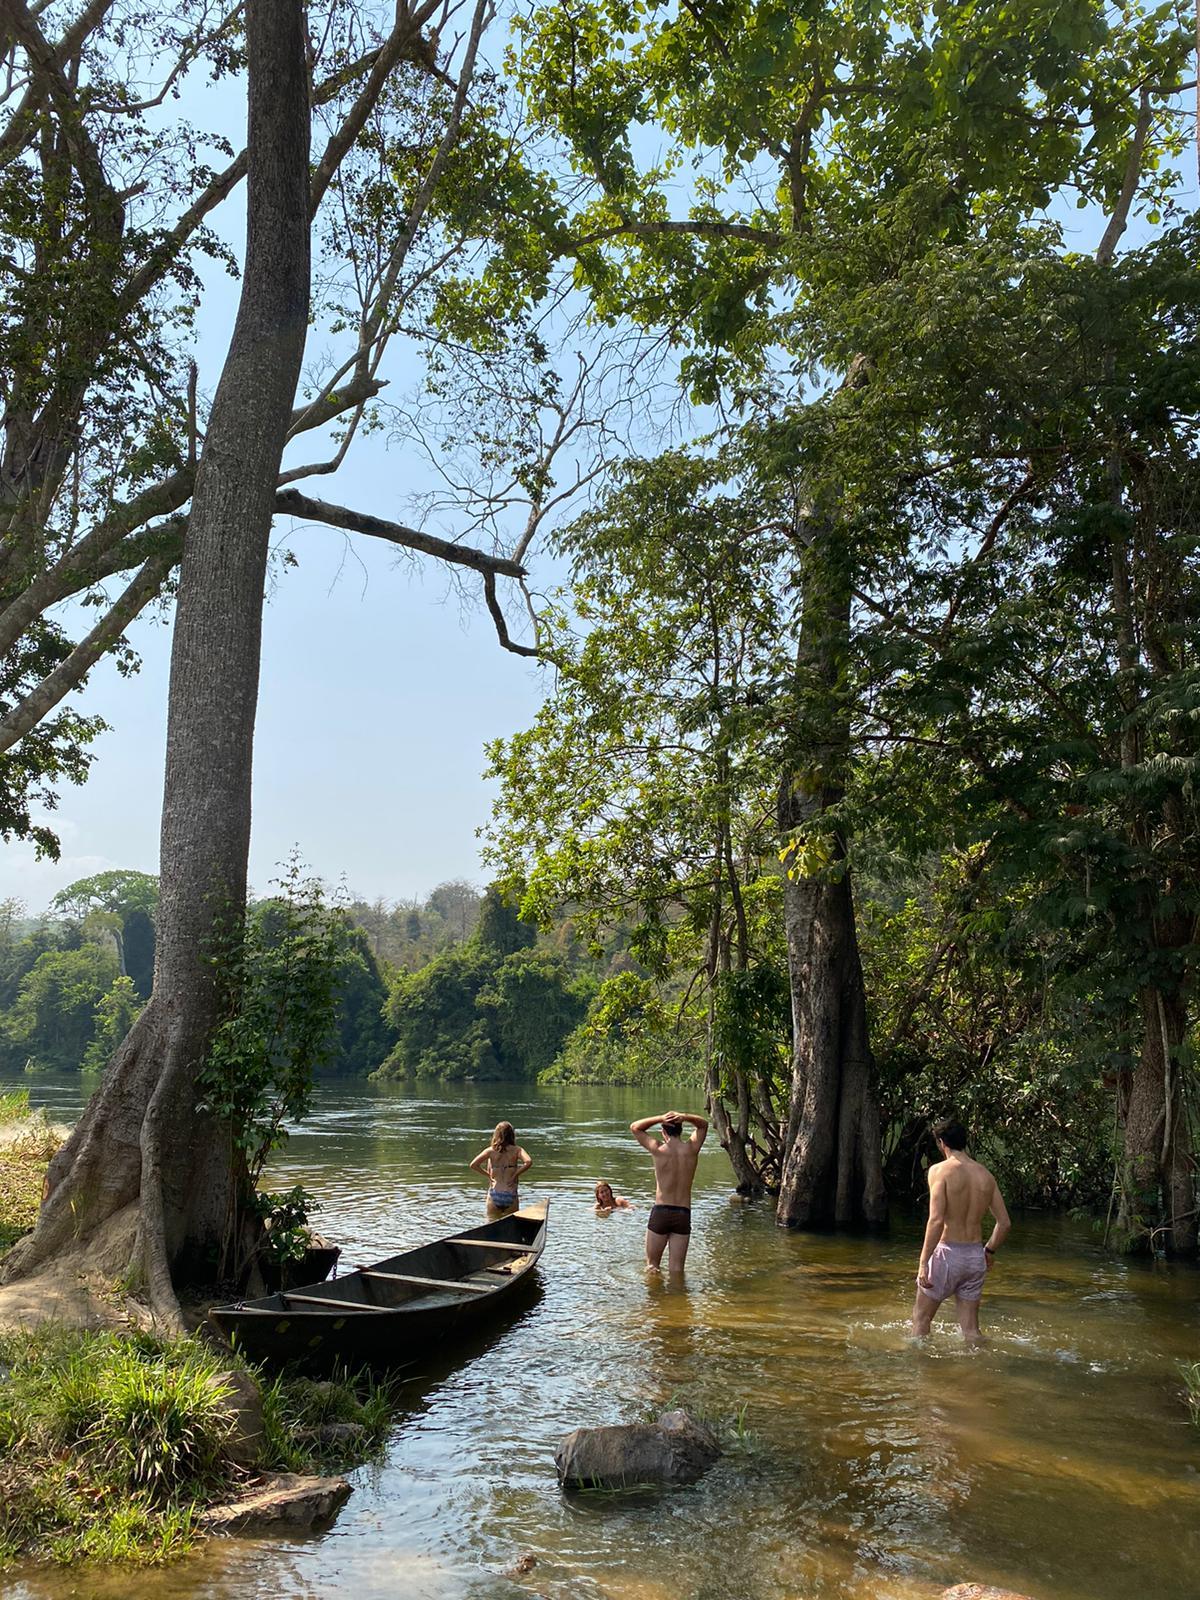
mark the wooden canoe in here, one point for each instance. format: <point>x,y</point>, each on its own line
<point>397,1309</point>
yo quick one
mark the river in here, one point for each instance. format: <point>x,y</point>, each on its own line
<point>1057,1460</point>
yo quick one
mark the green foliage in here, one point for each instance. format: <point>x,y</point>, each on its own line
<point>116,1012</point>
<point>111,1444</point>
<point>632,1034</point>
<point>495,1007</point>
<point>976,1013</point>
<point>364,1037</point>
<point>121,891</point>
<point>52,1020</point>
<point>281,973</point>
<point>14,1106</point>
<point>286,1235</point>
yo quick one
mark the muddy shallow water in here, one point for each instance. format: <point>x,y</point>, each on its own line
<point>1057,1461</point>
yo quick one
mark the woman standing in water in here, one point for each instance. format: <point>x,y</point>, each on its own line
<point>502,1162</point>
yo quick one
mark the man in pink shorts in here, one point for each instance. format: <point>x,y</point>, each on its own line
<point>953,1259</point>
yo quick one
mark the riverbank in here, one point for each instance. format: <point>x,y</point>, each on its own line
<point>116,1446</point>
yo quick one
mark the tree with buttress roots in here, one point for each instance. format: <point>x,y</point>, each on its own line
<point>114,465</point>
<point>746,174</point>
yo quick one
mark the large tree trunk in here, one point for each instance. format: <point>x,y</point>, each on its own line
<point>832,1167</point>
<point>140,1151</point>
<point>1158,1189</point>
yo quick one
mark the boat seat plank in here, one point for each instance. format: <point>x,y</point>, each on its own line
<point>428,1283</point>
<point>325,1300</point>
<point>492,1244</point>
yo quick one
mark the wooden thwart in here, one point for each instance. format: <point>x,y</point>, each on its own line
<point>428,1283</point>
<point>492,1244</point>
<point>337,1306</point>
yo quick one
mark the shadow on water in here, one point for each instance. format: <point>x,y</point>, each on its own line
<point>1055,1461</point>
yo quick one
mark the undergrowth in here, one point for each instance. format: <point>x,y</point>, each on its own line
<point>23,1163</point>
<point>111,1445</point>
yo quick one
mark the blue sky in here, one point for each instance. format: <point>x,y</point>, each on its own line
<point>378,691</point>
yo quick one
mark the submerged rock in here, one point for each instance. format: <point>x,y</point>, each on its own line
<point>981,1591</point>
<point>675,1449</point>
<point>285,1501</point>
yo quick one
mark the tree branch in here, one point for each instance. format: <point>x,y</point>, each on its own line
<point>295,504</point>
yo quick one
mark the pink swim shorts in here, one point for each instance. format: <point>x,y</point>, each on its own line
<point>957,1269</point>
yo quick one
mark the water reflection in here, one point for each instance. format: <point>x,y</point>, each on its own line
<point>1055,1461</point>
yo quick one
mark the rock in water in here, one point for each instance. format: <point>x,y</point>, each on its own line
<point>675,1449</point>
<point>981,1591</point>
<point>285,1501</point>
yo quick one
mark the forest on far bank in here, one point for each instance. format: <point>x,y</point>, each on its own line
<point>457,986</point>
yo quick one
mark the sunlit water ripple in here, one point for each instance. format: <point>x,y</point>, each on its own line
<point>1057,1461</point>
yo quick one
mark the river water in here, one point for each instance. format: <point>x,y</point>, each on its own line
<point>1056,1461</point>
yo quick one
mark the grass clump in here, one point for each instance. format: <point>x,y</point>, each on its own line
<point>1191,1381</point>
<point>315,1425</point>
<point>112,1444</point>
<point>14,1107</point>
<point>23,1162</point>
<point>109,1444</point>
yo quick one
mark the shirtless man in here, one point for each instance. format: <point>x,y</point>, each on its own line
<point>953,1261</point>
<point>670,1220</point>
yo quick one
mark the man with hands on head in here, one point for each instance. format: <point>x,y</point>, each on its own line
<point>670,1221</point>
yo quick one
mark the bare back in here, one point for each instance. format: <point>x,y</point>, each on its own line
<point>968,1192</point>
<point>674,1169</point>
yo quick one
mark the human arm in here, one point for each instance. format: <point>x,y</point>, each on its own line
<point>935,1227</point>
<point>699,1123</point>
<point>1003,1222</point>
<point>481,1160</point>
<point>640,1131</point>
<point>524,1162</point>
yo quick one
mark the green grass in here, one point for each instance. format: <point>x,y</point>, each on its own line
<point>22,1173</point>
<point>1191,1379</point>
<point>14,1107</point>
<point>111,1444</point>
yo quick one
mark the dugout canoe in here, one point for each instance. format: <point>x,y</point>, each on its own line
<point>399,1308</point>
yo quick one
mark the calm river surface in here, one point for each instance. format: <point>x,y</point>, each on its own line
<point>1056,1461</point>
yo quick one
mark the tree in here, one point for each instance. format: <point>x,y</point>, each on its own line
<point>500,930</point>
<point>831,149</point>
<point>139,1141</point>
<point>107,212</point>
<point>119,891</point>
<point>364,1038</point>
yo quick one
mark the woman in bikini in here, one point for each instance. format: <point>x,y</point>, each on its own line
<point>502,1163</point>
<point>608,1202</point>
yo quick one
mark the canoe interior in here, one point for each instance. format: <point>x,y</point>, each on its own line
<point>370,1311</point>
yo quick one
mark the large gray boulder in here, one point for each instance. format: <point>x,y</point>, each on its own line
<point>675,1449</point>
<point>285,1502</point>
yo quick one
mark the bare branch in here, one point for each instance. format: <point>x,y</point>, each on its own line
<point>1119,220</point>
<point>296,504</point>
<point>493,605</point>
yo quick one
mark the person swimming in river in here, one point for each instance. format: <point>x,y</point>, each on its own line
<point>607,1202</point>
<point>954,1261</point>
<point>669,1225</point>
<point>502,1163</point>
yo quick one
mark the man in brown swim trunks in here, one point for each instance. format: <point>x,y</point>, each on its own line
<point>670,1221</point>
<point>953,1261</point>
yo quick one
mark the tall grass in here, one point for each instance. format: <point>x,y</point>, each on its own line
<point>1191,1379</point>
<point>14,1107</point>
<point>111,1444</point>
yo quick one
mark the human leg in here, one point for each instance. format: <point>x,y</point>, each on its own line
<point>656,1243</point>
<point>968,1319</point>
<point>678,1249</point>
<point>925,1308</point>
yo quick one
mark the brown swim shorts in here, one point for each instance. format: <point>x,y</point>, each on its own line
<point>670,1219</point>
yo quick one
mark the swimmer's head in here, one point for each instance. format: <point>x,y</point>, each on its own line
<point>504,1137</point>
<point>951,1133</point>
<point>604,1194</point>
<point>672,1127</point>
